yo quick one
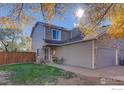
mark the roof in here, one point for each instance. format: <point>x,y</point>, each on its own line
<point>78,38</point>
<point>98,33</point>
<point>48,25</point>
<point>75,39</point>
<point>53,26</point>
<point>33,29</point>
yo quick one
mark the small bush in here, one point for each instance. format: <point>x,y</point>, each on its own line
<point>68,75</point>
<point>57,60</point>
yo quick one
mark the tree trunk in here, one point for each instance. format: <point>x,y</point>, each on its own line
<point>5,45</point>
<point>6,49</point>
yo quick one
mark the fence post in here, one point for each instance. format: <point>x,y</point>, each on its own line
<point>117,56</point>
<point>5,58</point>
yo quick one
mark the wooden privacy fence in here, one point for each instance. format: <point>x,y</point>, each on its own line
<point>16,57</point>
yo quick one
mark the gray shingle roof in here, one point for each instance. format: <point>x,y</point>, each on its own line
<point>77,38</point>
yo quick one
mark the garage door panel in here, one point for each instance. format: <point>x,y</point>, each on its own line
<point>105,57</point>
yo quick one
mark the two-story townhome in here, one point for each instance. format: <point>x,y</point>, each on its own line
<point>100,50</point>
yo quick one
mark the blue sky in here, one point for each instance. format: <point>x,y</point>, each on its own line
<point>67,22</point>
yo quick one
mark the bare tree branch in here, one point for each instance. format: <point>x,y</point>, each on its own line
<point>42,11</point>
<point>106,11</point>
<point>104,14</point>
<point>5,45</point>
<point>121,24</point>
<point>21,10</point>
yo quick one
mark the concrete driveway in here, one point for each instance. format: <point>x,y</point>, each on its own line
<point>113,72</point>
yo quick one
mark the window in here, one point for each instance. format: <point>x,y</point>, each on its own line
<point>38,52</point>
<point>56,34</point>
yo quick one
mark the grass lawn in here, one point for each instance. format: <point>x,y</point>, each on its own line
<point>34,74</point>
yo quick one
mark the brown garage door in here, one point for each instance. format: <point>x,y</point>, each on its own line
<point>105,57</point>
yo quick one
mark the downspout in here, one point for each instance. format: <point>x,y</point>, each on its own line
<point>117,56</point>
<point>93,54</point>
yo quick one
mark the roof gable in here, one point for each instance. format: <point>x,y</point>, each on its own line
<point>48,25</point>
<point>33,29</point>
<point>80,38</point>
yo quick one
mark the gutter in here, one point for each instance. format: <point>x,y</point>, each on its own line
<point>71,42</point>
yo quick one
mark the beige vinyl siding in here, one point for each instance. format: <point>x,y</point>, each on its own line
<point>105,41</point>
<point>78,54</point>
<point>37,42</point>
<point>109,42</point>
<point>37,38</point>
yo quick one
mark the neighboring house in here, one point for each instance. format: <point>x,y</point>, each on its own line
<point>100,50</point>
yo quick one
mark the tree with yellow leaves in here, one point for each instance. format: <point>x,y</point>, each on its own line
<point>19,17</point>
<point>19,13</point>
<point>96,13</point>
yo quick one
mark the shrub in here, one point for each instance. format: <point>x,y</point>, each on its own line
<point>57,60</point>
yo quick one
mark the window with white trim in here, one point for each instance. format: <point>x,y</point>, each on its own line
<point>56,34</point>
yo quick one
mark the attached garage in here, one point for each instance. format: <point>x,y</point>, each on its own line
<point>86,54</point>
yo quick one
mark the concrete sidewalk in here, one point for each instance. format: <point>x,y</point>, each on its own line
<point>113,72</point>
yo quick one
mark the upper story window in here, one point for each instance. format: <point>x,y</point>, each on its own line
<point>56,34</point>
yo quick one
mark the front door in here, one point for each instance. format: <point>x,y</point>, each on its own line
<point>47,53</point>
